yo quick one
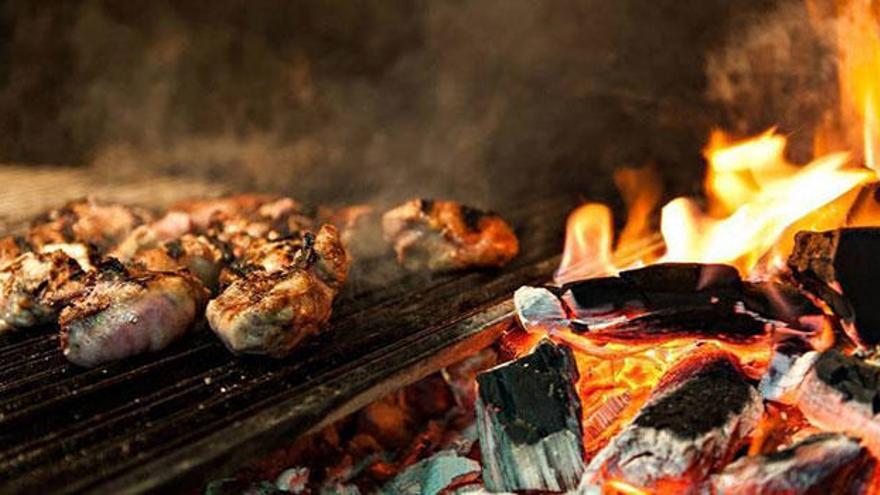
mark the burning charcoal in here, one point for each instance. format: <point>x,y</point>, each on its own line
<point>841,393</point>
<point>701,321</point>
<point>671,298</point>
<point>433,475</point>
<point>788,366</point>
<point>529,422</point>
<point>690,426</point>
<point>538,307</point>
<point>823,463</point>
<point>683,277</point>
<point>293,480</point>
<point>842,267</point>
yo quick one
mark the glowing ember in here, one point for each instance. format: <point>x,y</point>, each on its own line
<point>755,201</point>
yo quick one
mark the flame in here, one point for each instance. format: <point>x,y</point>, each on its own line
<point>764,195</point>
<point>754,201</point>
<point>590,233</point>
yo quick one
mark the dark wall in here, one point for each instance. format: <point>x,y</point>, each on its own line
<point>345,100</point>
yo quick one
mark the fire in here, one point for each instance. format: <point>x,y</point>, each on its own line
<point>755,199</point>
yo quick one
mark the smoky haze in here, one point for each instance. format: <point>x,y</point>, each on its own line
<point>342,101</point>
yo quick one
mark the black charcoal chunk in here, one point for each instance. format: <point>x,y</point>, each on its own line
<point>684,432</point>
<point>853,378</point>
<point>683,277</point>
<point>822,463</point>
<point>843,268</point>
<point>529,422</point>
<point>841,393</point>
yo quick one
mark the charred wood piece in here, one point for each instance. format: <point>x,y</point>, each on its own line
<point>823,463</point>
<point>842,268</point>
<point>690,427</point>
<point>840,393</point>
<point>667,300</point>
<point>529,422</point>
<point>790,363</point>
<point>538,308</point>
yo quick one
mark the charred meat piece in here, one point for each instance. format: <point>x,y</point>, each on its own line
<point>692,425</point>
<point>34,286</point>
<point>445,235</point>
<point>270,312</point>
<point>841,267</point>
<point>127,311</point>
<point>88,221</point>
<point>200,255</point>
<point>823,463</point>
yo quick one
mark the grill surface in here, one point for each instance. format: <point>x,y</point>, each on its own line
<point>176,418</point>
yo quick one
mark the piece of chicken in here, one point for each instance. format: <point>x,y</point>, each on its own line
<point>202,256</point>
<point>82,229</point>
<point>34,287</point>
<point>96,223</point>
<point>445,235</point>
<point>274,305</point>
<point>127,311</point>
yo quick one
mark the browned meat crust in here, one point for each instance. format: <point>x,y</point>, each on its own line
<point>88,221</point>
<point>202,256</point>
<point>445,235</point>
<point>272,306</point>
<point>126,311</point>
<point>34,286</point>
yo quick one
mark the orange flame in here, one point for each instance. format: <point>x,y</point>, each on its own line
<point>756,200</point>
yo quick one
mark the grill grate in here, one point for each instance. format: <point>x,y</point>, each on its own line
<point>192,411</point>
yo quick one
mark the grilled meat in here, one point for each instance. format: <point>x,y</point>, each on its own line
<point>128,311</point>
<point>200,255</point>
<point>445,235</point>
<point>168,228</point>
<point>34,286</point>
<point>88,221</point>
<point>282,297</point>
<point>243,218</point>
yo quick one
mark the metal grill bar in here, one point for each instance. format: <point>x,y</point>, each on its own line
<point>183,415</point>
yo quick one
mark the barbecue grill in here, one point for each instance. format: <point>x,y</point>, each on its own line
<point>179,417</point>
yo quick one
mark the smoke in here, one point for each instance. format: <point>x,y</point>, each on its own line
<point>778,68</point>
<point>347,101</point>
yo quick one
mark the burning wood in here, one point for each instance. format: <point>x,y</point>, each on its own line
<point>692,425</point>
<point>842,394</point>
<point>667,300</point>
<point>529,421</point>
<point>790,363</point>
<point>823,463</point>
<point>841,267</point>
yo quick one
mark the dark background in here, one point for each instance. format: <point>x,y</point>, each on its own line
<point>489,101</point>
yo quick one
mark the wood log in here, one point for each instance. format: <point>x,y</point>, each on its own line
<point>666,301</point>
<point>692,425</point>
<point>823,463</point>
<point>842,267</point>
<point>529,422</point>
<point>841,393</point>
